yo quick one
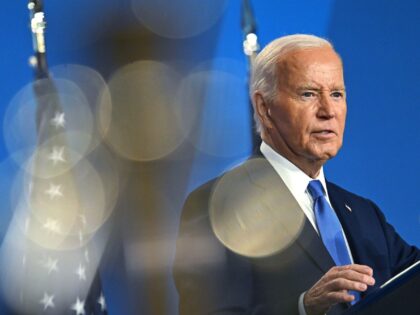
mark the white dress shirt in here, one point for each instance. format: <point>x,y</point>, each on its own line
<point>297,182</point>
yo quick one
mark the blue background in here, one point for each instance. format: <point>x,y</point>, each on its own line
<point>378,41</point>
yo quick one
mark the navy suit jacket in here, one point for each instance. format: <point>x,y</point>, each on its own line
<point>212,279</point>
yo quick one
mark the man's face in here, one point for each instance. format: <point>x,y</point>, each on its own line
<point>306,119</point>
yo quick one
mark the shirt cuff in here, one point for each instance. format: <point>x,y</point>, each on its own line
<point>302,310</point>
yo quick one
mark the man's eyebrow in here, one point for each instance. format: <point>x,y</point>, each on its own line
<point>308,87</point>
<point>338,88</point>
<point>316,88</point>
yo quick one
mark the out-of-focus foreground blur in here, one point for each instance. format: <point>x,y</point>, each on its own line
<point>153,101</point>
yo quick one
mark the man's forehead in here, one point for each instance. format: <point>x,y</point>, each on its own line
<point>303,57</point>
<point>311,65</point>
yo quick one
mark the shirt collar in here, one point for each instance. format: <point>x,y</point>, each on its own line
<point>294,178</point>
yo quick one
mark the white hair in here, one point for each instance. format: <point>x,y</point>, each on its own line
<point>264,76</point>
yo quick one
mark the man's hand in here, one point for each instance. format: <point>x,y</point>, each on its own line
<point>333,287</point>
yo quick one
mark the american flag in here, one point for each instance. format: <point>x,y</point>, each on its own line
<point>48,263</point>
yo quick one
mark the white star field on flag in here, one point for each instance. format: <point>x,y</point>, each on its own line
<point>87,255</point>
<point>101,302</point>
<point>57,155</point>
<point>47,301</point>
<point>26,225</point>
<point>83,219</point>
<point>81,272</point>
<point>51,265</point>
<point>79,307</point>
<point>52,225</point>
<point>58,120</point>
<point>54,191</point>
<point>81,237</point>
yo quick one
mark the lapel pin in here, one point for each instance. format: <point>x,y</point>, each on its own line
<point>347,207</point>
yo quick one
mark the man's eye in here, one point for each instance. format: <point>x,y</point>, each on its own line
<point>308,94</point>
<point>337,94</point>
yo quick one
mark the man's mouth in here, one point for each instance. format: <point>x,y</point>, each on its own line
<point>324,134</point>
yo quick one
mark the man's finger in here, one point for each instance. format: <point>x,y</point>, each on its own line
<point>339,297</point>
<point>340,284</point>
<point>349,272</point>
<point>356,276</point>
<point>356,267</point>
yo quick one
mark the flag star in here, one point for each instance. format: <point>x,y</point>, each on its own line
<point>27,222</point>
<point>52,226</point>
<point>79,307</point>
<point>86,255</point>
<point>58,120</point>
<point>81,272</point>
<point>102,302</point>
<point>83,219</point>
<point>51,265</point>
<point>54,191</point>
<point>81,237</point>
<point>57,155</point>
<point>47,301</point>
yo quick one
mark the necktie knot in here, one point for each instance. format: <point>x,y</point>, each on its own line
<point>315,189</point>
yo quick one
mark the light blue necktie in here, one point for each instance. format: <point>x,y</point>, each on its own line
<point>329,228</point>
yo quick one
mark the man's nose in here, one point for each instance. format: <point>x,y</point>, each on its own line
<point>326,108</point>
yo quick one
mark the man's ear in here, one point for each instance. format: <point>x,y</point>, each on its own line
<point>262,108</point>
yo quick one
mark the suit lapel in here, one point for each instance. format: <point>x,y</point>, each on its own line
<point>312,244</point>
<point>348,215</point>
<point>278,196</point>
<point>348,218</point>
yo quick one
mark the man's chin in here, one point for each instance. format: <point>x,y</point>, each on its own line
<point>324,156</point>
<point>326,151</point>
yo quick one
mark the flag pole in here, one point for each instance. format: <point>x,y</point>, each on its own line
<point>43,84</point>
<point>250,48</point>
<point>37,18</point>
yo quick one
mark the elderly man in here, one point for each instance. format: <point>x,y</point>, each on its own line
<point>343,247</point>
